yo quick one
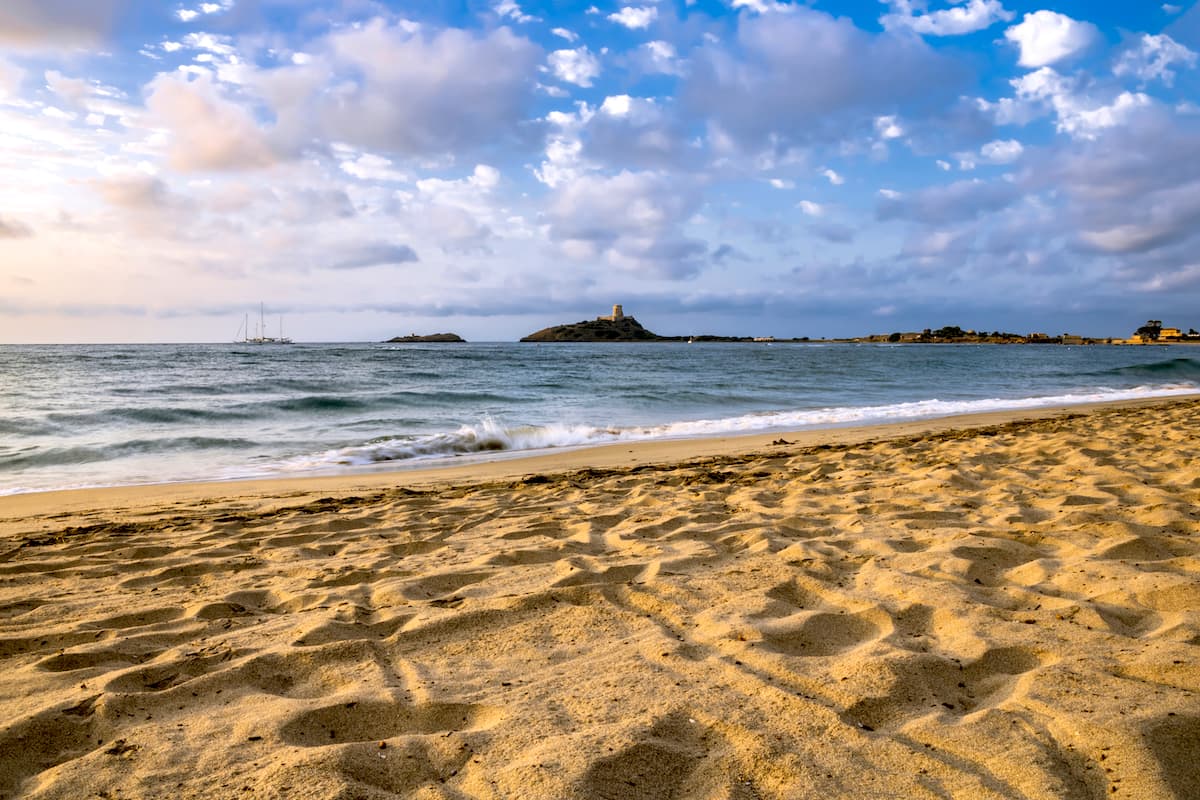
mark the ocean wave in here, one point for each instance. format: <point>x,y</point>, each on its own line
<point>152,415</point>
<point>491,436</point>
<point>1170,369</point>
<point>83,454</point>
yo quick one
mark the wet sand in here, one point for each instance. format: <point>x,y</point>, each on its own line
<point>995,606</point>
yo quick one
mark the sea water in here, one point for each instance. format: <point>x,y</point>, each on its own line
<point>104,415</point>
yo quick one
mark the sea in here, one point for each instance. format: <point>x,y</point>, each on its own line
<point>74,416</point>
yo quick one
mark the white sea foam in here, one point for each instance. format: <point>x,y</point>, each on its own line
<point>491,436</point>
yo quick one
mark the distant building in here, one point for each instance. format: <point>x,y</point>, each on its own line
<point>618,314</point>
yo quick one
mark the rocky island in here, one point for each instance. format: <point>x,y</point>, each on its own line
<point>617,327</point>
<point>614,328</point>
<point>431,337</point>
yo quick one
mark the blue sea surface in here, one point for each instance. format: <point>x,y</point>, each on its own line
<point>104,415</point>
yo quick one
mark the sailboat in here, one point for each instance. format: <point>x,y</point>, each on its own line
<point>260,336</point>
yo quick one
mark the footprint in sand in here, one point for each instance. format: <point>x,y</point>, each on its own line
<point>108,659</point>
<point>160,677</point>
<point>45,740</point>
<point>1174,742</point>
<point>11,610</point>
<point>676,757</point>
<point>371,721</point>
<point>819,633</point>
<point>137,619</point>
<point>437,587</point>
<point>920,684</point>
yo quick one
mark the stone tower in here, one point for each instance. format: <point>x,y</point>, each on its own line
<point>618,313</point>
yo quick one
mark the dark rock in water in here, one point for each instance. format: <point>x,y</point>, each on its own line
<point>624,329</point>
<point>432,337</point>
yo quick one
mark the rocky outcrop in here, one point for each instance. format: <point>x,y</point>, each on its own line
<point>625,329</point>
<point>432,337</point>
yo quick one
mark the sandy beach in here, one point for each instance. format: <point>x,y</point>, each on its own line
<point>1004,606</point>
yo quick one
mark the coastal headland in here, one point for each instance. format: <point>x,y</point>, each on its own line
<point>618,327</point>
<point>999,606</point>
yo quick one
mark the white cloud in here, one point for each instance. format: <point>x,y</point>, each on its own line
<point>635,18</point>
<point>10,79</point>
<point>1047,37</point>
<point>57,113</point>
<point>577,66</point>
<point>370,167</point>
<point>616,105</point>
<point>945,166</point>
<point>1153,57</point>
<point>1077,114</point>
<point>207,130</point>
<point>634,220</point>
<point>661,57</point>
<point>888,128</point>
<point>1002,151</point>
<point>781,183</point>
<point>974,16</point>
<point>766,92</point>
<point>563,33</point>
<point>510,9</point>
<point>889,194</point>
<point>189,14</point>
<point>1170,8</point>
<point>564,148</point>
<point>1007,110</point>
<point>833,177</point>
<point>810,208</point>
<point>398,88</point>
<point>761,6</point>
<point>483,179</point>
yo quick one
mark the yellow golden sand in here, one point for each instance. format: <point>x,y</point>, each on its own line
<point>971,608</point>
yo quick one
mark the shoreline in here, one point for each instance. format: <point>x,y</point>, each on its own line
<point>515,465</point>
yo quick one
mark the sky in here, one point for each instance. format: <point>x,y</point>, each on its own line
<point>743,167</point>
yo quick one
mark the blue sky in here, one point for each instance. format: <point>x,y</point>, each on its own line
<point>720,166</point>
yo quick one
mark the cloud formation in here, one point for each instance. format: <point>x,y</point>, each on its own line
<point>395,88</point>
<point>41,24</point>
<point>1153,58</point>
<point>976,15</point>
<point>375,254</point>
<point>739,155</point>
<point>635,17</point>
<point>804,77</point>
<point>578,66</point>
<point>632,220</point>
<point>208,131</point>
<point>1047,37</point>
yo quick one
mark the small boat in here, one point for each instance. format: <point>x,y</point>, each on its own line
<point>260,336</point>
